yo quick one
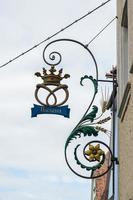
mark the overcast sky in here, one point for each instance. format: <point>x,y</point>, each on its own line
<point>32,164</point>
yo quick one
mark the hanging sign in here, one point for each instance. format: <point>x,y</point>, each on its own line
<point>51,84</point>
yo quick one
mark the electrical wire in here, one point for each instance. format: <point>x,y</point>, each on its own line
<point>101,31</point>
<point>66,27</point>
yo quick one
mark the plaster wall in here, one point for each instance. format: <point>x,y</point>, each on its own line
<point>125,126</point>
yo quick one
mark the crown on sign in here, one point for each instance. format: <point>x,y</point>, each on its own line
<point>52,78</point>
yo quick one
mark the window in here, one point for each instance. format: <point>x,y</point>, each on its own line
<point>124,49</point>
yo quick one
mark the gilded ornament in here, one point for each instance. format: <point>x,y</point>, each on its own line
<point>94,153</point>
<point>53,78</point>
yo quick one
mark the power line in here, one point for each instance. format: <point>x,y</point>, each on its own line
<point>101,31</point>
<point>66,27</point>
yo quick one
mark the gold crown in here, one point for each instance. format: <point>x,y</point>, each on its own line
<point>52,78</point>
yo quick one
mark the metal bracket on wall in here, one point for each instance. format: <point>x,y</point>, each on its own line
<point>115,159</point>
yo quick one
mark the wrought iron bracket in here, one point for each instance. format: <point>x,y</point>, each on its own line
<point>90,160</point>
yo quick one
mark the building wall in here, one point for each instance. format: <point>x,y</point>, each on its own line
<point>125,100</point>
<point>100,185</point>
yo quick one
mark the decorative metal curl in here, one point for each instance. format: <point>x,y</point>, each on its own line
<point>105,162</point>
<point>52,57</point>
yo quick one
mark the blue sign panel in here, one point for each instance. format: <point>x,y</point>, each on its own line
<point>58,110</point>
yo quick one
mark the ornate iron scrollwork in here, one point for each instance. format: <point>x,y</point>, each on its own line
<point>87,161</point>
